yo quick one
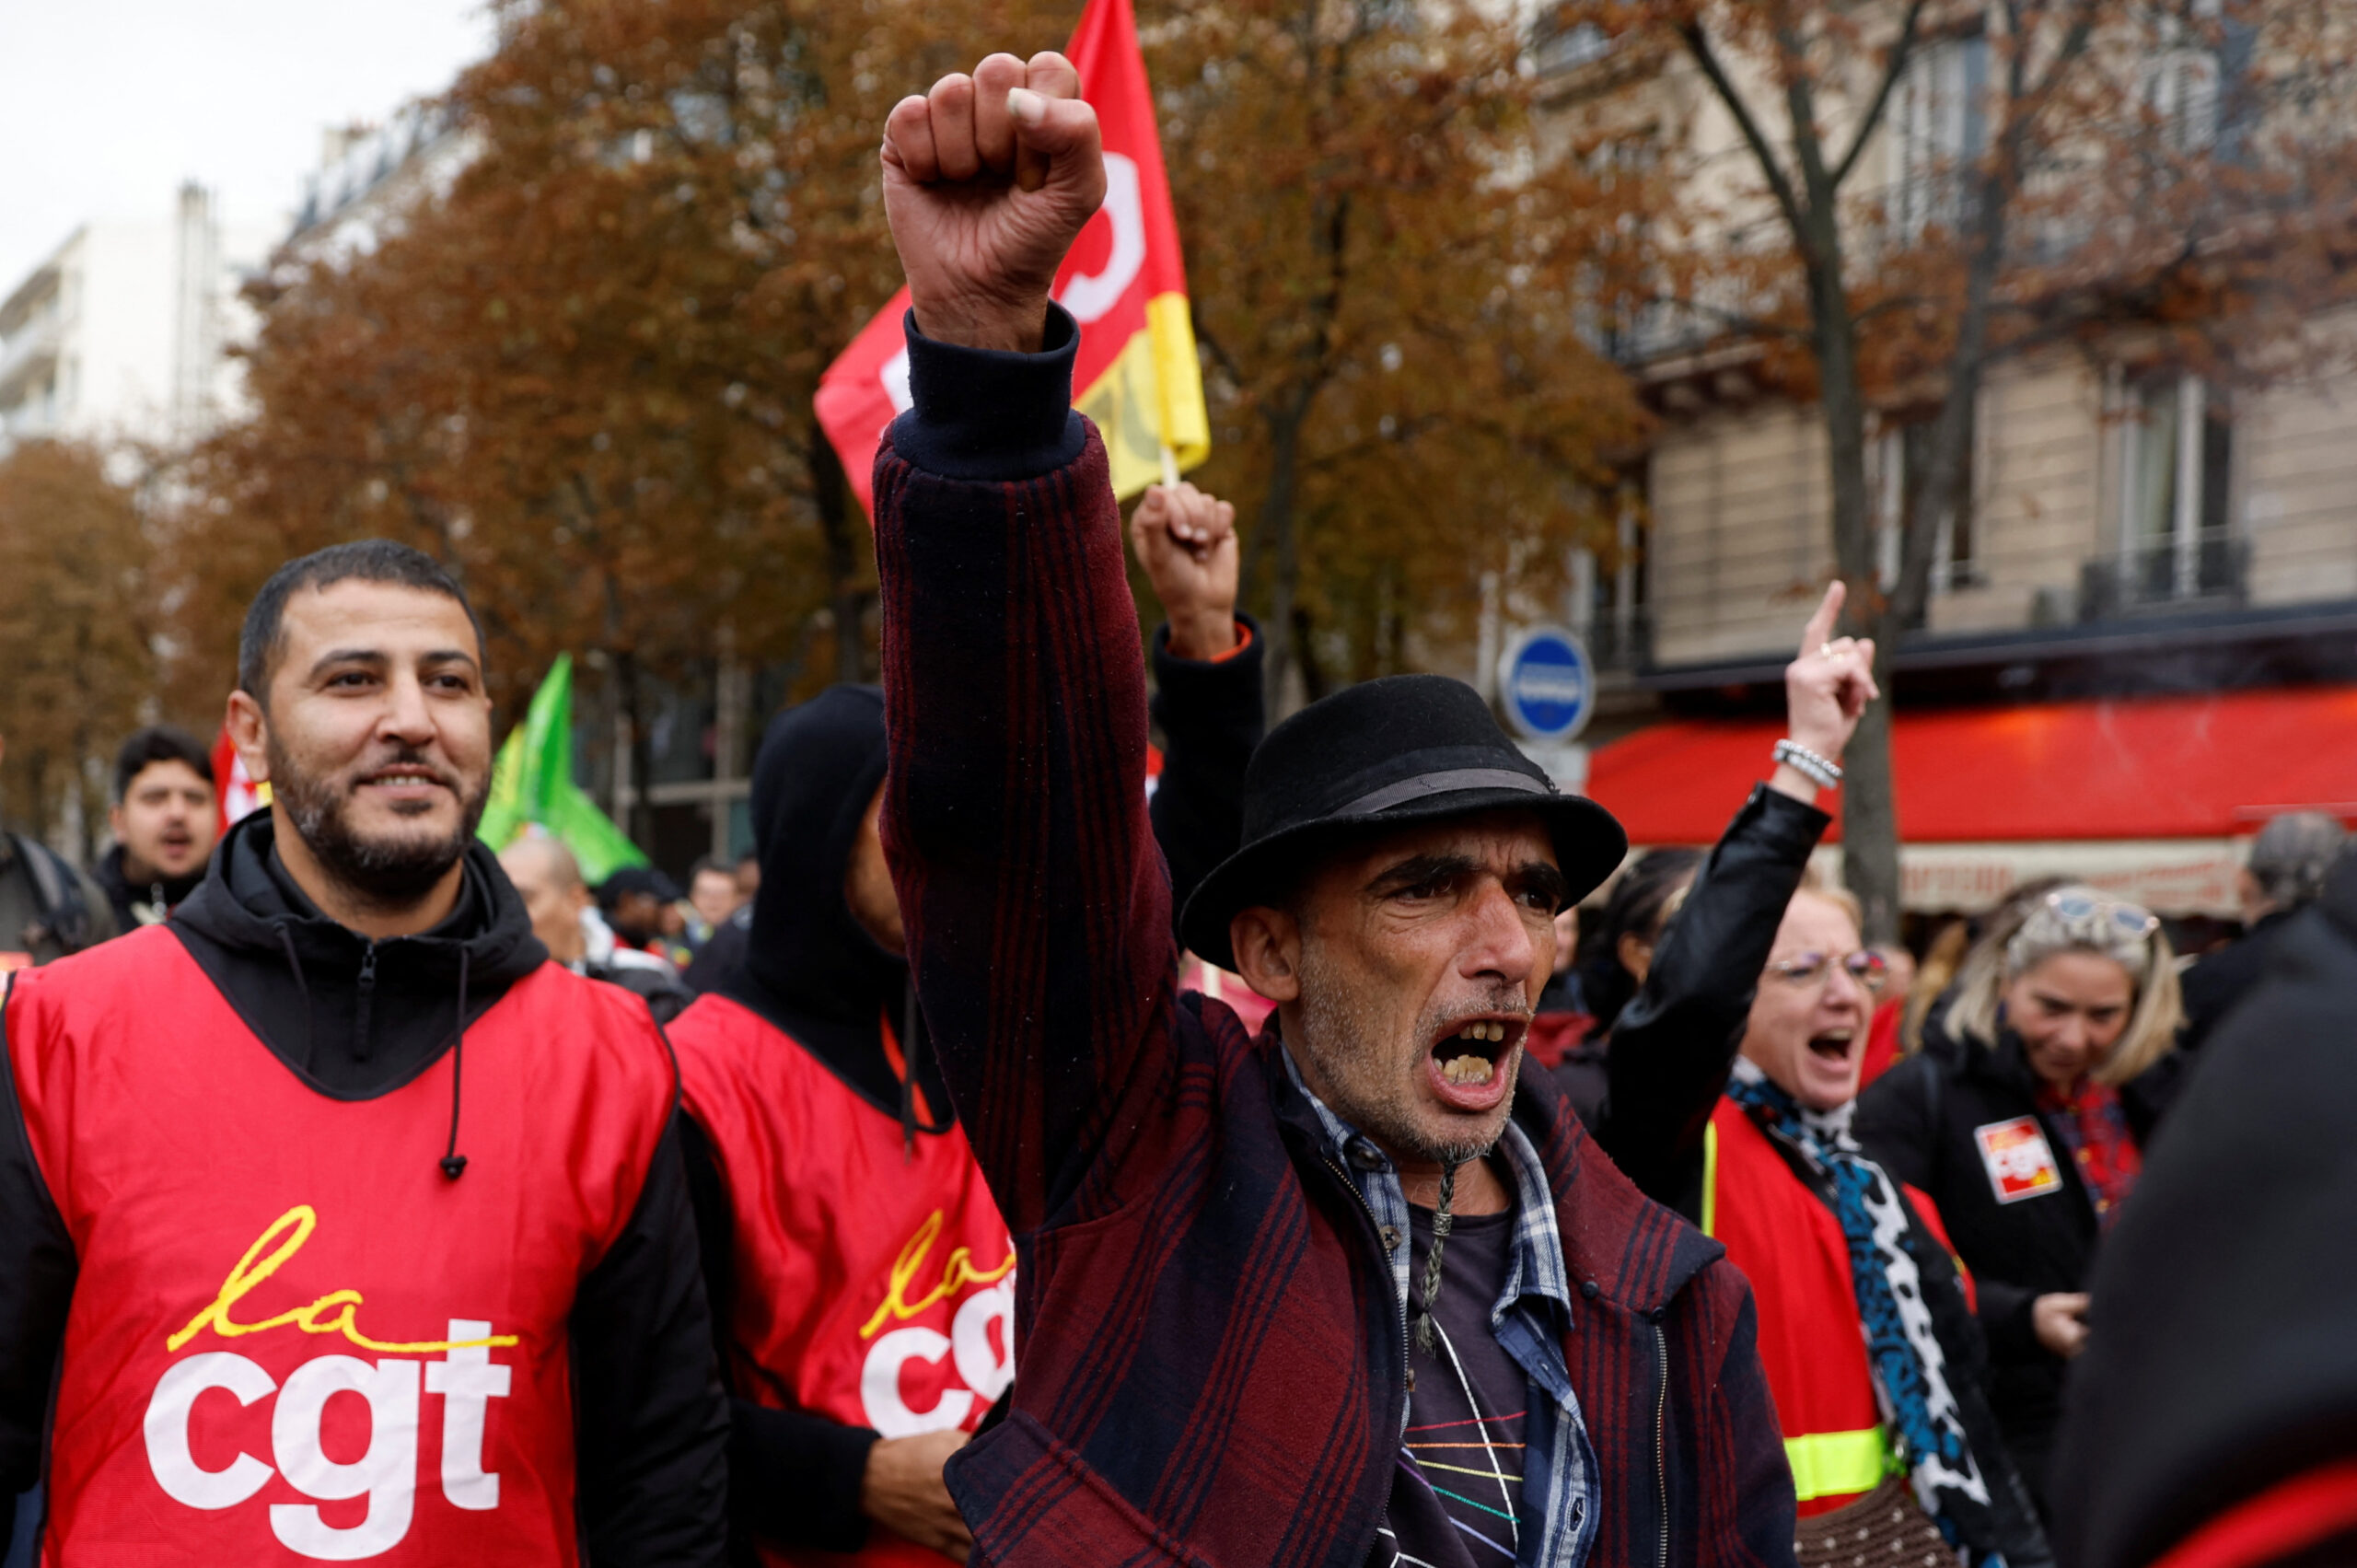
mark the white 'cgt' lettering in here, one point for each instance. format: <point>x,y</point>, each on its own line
<point>982,1367</point>
<point>386,1475</point>
<point>467,1382</point>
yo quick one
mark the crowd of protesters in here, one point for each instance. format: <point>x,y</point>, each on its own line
<point>883,1196</point>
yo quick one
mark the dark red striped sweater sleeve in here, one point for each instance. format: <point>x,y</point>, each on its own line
<point>1036,905</point>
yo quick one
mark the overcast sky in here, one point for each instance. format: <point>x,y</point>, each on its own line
<point>107,105</point>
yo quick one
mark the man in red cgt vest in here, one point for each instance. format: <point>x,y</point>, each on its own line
<point>349,1227</point>
<point>861,1277</point>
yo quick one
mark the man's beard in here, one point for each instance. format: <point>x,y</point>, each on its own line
<point>385,872</point>
<point>1340,1027</point>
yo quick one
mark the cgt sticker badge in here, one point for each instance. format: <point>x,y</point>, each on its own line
<point>2019,1161</point>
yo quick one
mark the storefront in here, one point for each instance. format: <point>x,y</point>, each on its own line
<point>2153,797</point>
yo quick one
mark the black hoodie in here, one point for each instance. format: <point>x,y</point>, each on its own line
<point>353,1019</point>
<point>143,903</point>
<point>812,971</point>
<point>810,967</point>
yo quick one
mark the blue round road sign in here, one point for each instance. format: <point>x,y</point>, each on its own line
<point>1546,683</point>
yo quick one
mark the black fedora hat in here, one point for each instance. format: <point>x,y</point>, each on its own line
<point>1382,754</point>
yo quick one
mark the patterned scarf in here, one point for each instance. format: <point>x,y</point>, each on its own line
<point>2096,1129</point>
<point>1909,1366</point>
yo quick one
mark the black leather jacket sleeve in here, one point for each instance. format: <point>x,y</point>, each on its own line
<point>1210,716</point>
<point>1674,1043</point>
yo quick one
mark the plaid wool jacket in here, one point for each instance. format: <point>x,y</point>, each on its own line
<point>1212,1358</point>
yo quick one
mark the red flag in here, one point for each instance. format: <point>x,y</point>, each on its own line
<point>234,793</point>
<point>1125,284</point>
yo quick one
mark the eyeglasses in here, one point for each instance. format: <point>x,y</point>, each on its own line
<point>2132,921</point>
<point>1808,970</point>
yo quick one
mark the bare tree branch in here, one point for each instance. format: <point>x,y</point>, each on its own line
<point>1697,44</point>
<point>1901,56</point>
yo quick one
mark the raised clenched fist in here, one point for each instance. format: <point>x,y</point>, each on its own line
<point>987,180</point>
<point>1186,540</point>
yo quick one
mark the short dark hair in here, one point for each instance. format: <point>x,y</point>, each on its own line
<point>629,879</point>
<point>710,863</point>
<point>157,743</point>
<point>367,560</point>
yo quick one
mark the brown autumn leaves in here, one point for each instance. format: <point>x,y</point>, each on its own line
<point>580,371</point>
<point>583,376</point>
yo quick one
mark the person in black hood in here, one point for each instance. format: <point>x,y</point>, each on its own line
<point>833,1186</point>
<point>468,1133</point>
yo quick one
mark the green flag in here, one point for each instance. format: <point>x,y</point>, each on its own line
<point>531,785</point>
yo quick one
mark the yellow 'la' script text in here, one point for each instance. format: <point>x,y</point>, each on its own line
<point>956,1276</point>
<point>333,1313</point>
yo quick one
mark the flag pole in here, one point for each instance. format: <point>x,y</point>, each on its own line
<point>1169,468</point>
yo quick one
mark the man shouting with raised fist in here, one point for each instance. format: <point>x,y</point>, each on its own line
<point>1359,1290</point>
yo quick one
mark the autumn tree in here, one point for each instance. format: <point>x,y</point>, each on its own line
<point>2179,169</point>
<point>579,370</point>
<point>1381,267</point>
<point>581,374</point>
<point>74,636</point>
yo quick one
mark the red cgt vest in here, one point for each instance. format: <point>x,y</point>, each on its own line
<point>873,1288</point>
<point>1791,1247</point>
<point>291,1338</point>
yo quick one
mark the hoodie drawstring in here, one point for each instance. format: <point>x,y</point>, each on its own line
<point>909,1073</point>
<point>302,986</point>
<point>453,1164</point>
<point>905,1054</point>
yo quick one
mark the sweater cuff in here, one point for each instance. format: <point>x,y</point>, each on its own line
<point>794,1479</point>
<point>1248,641</point>
<point>990,414</point>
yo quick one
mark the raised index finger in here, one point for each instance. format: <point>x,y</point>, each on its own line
<point>1828,615</point>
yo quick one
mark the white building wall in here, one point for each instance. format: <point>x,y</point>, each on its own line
<point>120,331</point>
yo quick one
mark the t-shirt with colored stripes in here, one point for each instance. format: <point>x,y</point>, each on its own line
<point>1456,1496</point>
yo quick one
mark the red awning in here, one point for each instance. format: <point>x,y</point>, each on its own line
<point>2214,766</point>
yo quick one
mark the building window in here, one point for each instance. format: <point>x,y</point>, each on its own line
<point>2181,91</point>
<point>1611,605</point>
<point>2177,534</point>
<point>2195,84</point>
<point>1557,51</point>
<point>1941,124</point>
<point>1897,453</point>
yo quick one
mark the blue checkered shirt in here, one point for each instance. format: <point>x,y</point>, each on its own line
<point>1560,1493</point>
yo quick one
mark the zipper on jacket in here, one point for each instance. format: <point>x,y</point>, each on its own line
<point>1400,1313</point>
<point>367,1000</point>
<point>1367,1209</point>
<point>1661,1434</point>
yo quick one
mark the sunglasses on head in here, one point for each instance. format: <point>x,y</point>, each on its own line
<point>2133,922</point>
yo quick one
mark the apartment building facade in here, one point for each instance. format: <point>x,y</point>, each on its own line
<point>2140,641</point>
